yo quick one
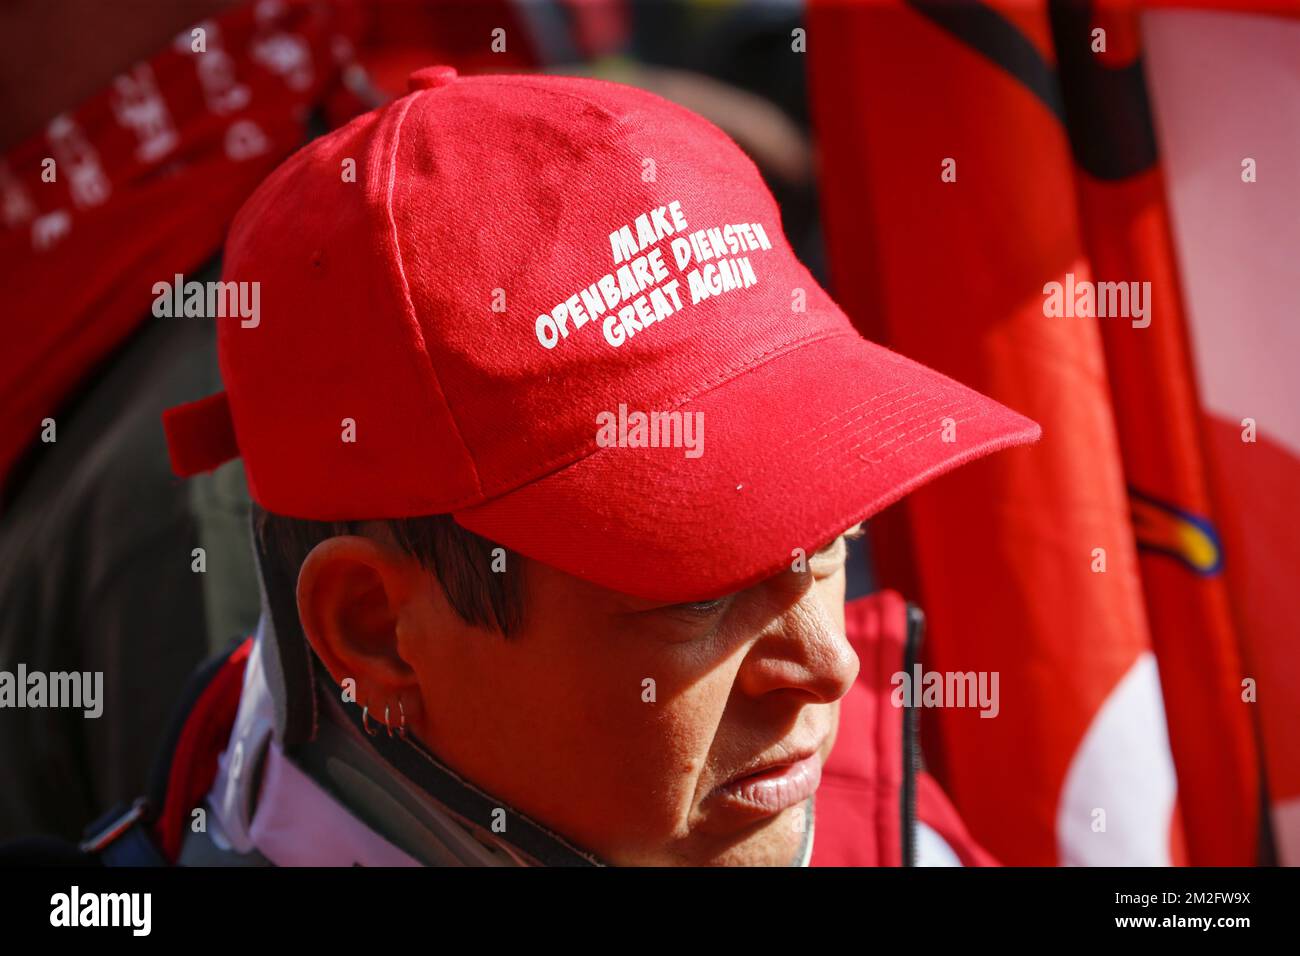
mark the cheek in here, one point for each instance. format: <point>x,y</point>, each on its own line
<point>575,734</point>
<point>644,747</point>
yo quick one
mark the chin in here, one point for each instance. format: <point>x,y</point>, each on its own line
<point>771,842</point>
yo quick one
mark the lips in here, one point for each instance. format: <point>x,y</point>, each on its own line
<point>771,788</point>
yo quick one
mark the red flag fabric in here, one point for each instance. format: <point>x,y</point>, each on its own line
<point>1121,201</point>
<point>950,201</point>
<point>1226,95</point>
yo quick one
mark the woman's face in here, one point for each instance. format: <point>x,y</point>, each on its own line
<point>616,721</point>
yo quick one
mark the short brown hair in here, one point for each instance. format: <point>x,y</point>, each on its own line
<point>461,560</point>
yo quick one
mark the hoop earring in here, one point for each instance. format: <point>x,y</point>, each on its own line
<point>365,721</point>
<point>401,729</point>
<point>387,725</point>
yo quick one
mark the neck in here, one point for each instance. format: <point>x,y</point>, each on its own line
<point>395,808</point>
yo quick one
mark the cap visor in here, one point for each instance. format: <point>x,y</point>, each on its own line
<point>793,452</point>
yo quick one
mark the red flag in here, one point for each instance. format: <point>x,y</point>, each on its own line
<point>1121,201</point>
<point>1227,96</point>
<point>950,208</point>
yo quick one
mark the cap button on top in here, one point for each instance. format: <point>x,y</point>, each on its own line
<point>431,77</point>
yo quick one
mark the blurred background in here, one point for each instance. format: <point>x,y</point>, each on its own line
<point>1133,578</point>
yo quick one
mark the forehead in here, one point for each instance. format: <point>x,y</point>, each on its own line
<point>559,588</point>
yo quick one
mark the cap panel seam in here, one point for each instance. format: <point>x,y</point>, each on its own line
<point>406,288</point>
<point>624,122</point>
<point>545,90</point>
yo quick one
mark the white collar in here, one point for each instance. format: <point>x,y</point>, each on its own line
<point>291,819</point>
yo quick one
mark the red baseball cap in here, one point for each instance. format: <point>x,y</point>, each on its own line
<point>563,311</point>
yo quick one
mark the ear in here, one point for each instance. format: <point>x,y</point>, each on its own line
<point>356,596</point>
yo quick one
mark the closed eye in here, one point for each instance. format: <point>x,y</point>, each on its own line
<point>700,608</point>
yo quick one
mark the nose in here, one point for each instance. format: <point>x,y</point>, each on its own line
<point>802,649</point>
